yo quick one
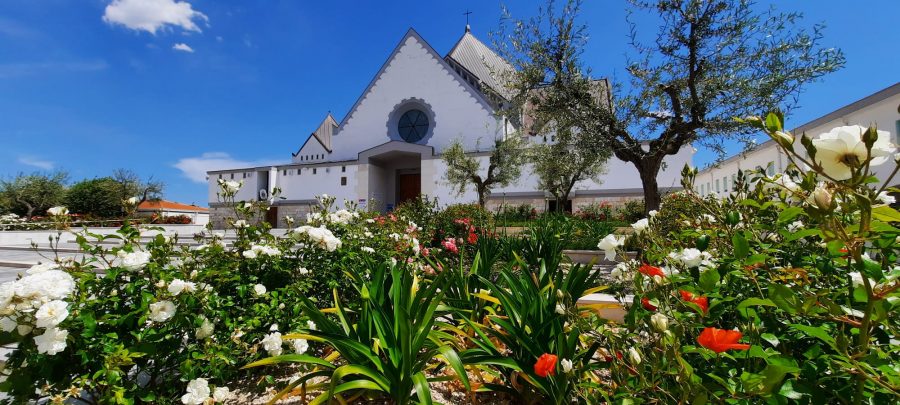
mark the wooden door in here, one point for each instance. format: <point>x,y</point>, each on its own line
<point>272,216</point>
<point>408,187</point>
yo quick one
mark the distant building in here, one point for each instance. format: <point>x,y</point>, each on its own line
<point>881,108</point>
<point>163,208</point>
<point>387,149</point>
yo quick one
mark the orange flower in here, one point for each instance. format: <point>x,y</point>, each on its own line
<point>651,271</point>
<point>701,301</point>
<point>720,340</point>
<point>545,365</point>
<point>645,302</point>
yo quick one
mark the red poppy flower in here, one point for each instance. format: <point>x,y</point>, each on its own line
<point>473,237</point>
<point>651,271</point>
<point>545,365</point>
<point>701,301</point>
<point>720,340</point>
<point>645,302</point>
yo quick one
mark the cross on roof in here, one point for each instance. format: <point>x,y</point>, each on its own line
<point>467,18</point>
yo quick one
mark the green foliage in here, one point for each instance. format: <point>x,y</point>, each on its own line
<point>100,198</point>
<point>388,346</point>
<point>631,211</point>
<point>33,194</point>
<point>504,166</point>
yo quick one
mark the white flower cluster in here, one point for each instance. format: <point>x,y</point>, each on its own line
<point>37,301</point>
<point>162,311</point>
<point>57,211</point>
<point>692,257</point>
<point>842,149</point>
<point>609,244</point>
<point>230,186</point>
<point>198,393</point>
<point>260,250</point>
<point>338,217</point>
<point>177,286</point>
<point>624,271</point>
<point>321,236</point>
<point>133,260</point>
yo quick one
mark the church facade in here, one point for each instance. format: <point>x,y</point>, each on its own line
<point>388,147</point>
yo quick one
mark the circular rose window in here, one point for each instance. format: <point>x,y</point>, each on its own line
<point>413,125</point>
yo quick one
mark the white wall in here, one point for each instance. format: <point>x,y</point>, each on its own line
<point>327,180</point>
<point>247,193</point>
<point>414,72</point>
<point>884,114</point>
<point>312,151</point>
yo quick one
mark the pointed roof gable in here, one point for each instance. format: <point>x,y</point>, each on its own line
<point>412,33</point>
<point>321,134</point>
<point>482,62</point>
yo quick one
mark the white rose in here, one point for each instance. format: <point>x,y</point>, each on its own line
<point>609,244</point>
<point>300,345</point>
<point>197,392</point>
<point>205,330</point>
<point>134,260</point>
<point>55,211</point>
<point>40,268</point>
<point>566,365</point>
<point>272,343</point>
<point>178,285</point>
<point>221,394</point>
<point>51,314</point>
<point>367,249</point>
<point>641,225</point>
<point>634,356</point>
<point>241,224</point>
<point>886,198</point>
<point>249,254</point>
<point>303,271</point>
<point>259,289</point>
<point>659,322</point>
<point>52,341</point>
<point>652,213</point>
<point>231,186</point>
<point>161,311</point>
<point>841,150</point>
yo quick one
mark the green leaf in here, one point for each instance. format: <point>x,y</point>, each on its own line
<point>754,302</point>
<point>741,247</point>
<point>784,298</point>
<point>885,213</point>
<point>789,214</point>
<point>815,332</point>
<point>792,236</point>
<point>423,391</point>
<point>290,358</point>
<point>709,279</point>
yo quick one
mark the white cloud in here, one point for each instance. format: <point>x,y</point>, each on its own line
<point>36,162</point>
<point>195,168</point>
<point>153,15</point>
<point>183,47</point>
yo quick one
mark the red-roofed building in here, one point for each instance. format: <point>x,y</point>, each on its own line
<point>198,215</point>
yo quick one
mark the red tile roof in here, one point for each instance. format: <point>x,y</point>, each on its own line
<point>163,205</point>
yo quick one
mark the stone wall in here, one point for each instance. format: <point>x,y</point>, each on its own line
<point>617,201</point>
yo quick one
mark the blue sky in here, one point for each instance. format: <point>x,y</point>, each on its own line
<point>170,88</point>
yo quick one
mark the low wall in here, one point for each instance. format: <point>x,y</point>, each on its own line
<point>42,237</point>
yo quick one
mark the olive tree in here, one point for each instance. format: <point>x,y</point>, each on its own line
<point>504,167</point>
<point>34,193</point>
<point>704,63</point>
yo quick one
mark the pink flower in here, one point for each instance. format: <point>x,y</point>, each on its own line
<point>450,245</point>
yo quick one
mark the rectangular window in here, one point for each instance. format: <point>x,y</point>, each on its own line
<point>770,169</point>
<point>702,189</point>
<point>718,189</point>
<point>284,172</point>
<point>725,183</point>
<point>220,175</point>
<point>733,179</point>
<point>314,170</point>
<point>343,169</point>
<point>232,176</point>
<point>897,131</point>
<point>343,181</point>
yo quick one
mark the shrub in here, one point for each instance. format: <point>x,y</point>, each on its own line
<point>601,211</point>
<point>631,211</point>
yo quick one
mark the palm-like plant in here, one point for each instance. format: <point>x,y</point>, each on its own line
<point>389,346</point>
<point>534,306</point>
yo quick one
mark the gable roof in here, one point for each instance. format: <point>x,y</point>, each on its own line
<point>482,62</point>
<point>326,143</point>
<point>428,48</point>
<point>163,205</point>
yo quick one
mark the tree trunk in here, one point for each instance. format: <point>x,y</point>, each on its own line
<point>648,168</point>
<point>482,190</point>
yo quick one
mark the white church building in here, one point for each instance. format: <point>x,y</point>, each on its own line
<point>387,148</point>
